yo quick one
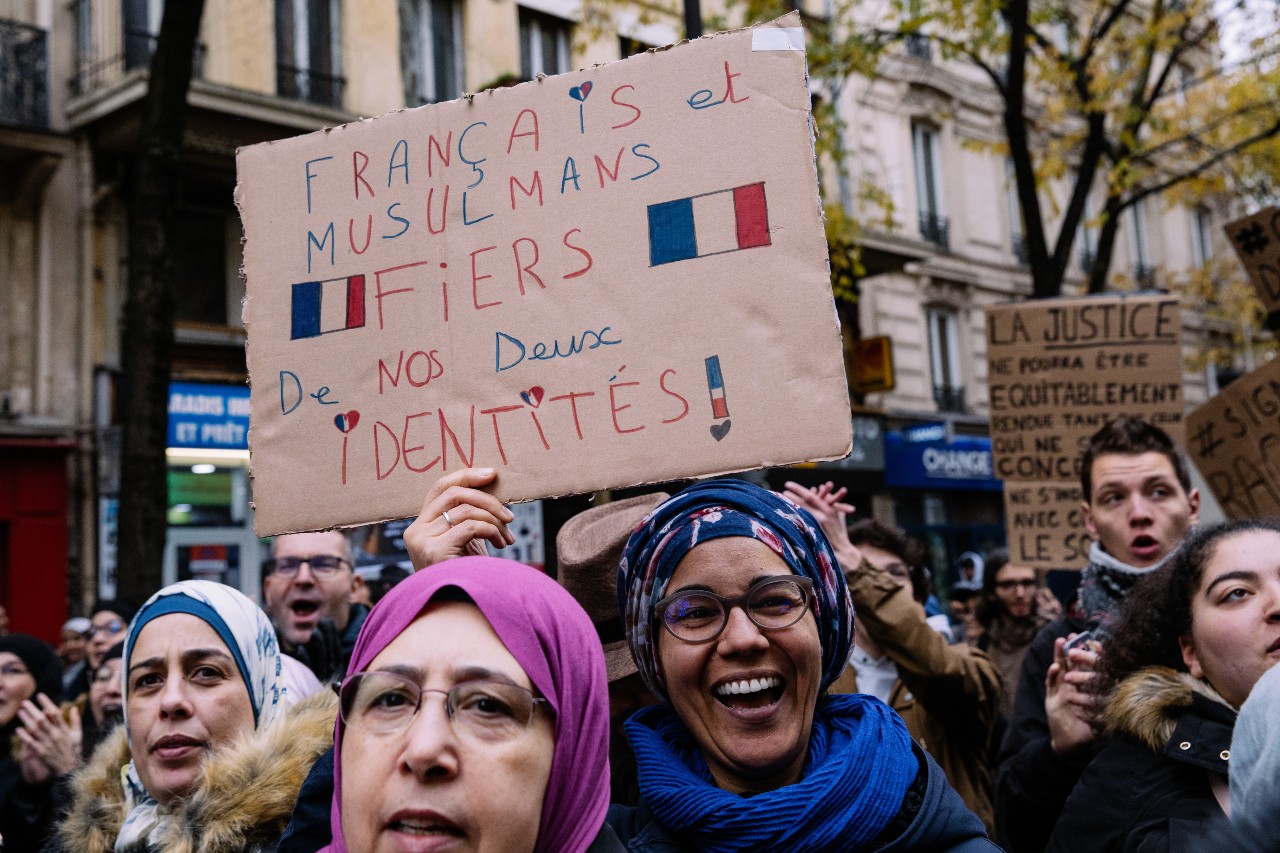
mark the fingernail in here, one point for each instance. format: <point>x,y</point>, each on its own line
<point>488,472</point>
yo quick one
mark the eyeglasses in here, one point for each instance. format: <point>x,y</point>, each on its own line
<point>321,564</point>
<point>1005,586</point>
<point>385,703</point>
<point>697,616</point>
<point>14,669</point>
<point>104,674</point>
<point>115,626</point>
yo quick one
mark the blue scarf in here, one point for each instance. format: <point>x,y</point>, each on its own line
<point>856,774</point>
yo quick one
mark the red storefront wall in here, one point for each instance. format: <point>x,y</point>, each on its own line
<point>33,535</point>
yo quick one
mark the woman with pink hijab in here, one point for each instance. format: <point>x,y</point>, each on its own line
<point>475,718</point>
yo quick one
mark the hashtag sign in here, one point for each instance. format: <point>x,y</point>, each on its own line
<point>1256,239</point>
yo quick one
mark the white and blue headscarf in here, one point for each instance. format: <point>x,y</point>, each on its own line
<point>247,633</point>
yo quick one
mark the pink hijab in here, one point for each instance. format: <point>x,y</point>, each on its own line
<point>554,641</point>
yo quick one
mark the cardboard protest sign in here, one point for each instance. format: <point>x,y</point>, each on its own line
<point>1234,439</point>
<point>590,281</point>
<point>1057,371</point>
<point>1044,523</point>
<point>1256,240</point>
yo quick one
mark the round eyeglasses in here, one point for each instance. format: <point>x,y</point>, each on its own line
<point>321,564</point>
<point>385,702</point>
<point>699,616</point>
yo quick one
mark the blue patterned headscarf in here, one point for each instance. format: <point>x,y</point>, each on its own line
<point>716,509</point>
<point>250,640</point>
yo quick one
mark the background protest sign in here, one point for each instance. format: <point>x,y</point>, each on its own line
<point>1057,371</point>
<point>1234,439</point>
<point>1256,240</point>
<point>589,281</point>
<point>1045,524</point>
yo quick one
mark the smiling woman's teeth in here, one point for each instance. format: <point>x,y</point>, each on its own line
<point>752,685</point>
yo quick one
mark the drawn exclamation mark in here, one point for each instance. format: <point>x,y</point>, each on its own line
<point>719,404</point>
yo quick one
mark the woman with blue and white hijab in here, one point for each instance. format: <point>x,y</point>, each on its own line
<point>207,750</point>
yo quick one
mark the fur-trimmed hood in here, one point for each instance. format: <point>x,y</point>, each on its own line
<point>244,800</point>
<point>1149,704</point>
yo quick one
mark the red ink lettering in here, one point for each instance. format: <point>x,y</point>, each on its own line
<point>432,364</point>
<point>535,186</point>
<point>662,383</point>
<point>521,269</point>
<point>382,371</point>
<point>368,235</point>
<point>602,169</point>
<point>579,249</point>
<point>476,279</point>
<point>614,97</point>
<point>377,454</point>
<point>379,293</point>
<point>445,153</point>
<point>407,449</point>
<point>516,126</point>
<point>728,82</point>
<point>614,408</point>
<point>357,171</point>
<point>457,446</point>
<point>444,210</point>
<point>497,434</point>
<point>572,397</point>
<point>538,424</point>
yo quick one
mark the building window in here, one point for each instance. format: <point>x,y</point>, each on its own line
<point>200,251</point>
<point>141,26</point>
<point>1143,272</point>
<point>433,45</point>
<point>924,144</point>
<point>628,46</point>
<point>307,51</point>
<point>1201,239</point>
<point>544,44</point>
<point>944,359</point>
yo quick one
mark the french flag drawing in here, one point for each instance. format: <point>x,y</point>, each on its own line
<point>321,307</point>
<point>708,224</point>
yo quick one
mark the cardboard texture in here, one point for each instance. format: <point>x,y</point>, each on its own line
<point>1256,240</point>
<point>596,280</point>
<point>1234,439</point>
<point>1057,371</point>
<point>1044,523</point>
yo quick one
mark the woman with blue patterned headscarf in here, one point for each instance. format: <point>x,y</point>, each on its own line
<point>738,617</point>
<point>205,750</point>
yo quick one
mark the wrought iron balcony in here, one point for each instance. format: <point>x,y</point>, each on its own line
<point>24,75</point>
<point>111,54</point>
<point>1020,249</point>
<point>315,87</point>
<point>918,46</point>
<point>949,399</point>
<point>933,227</point>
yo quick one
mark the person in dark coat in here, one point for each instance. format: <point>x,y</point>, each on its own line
<point>738,619</point>
<point>1192,641</point>
<point>30,685</point>
<point>1138,505</point>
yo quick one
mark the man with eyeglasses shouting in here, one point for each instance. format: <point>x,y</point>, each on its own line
<point>947,694</point>
<point>307,586</point>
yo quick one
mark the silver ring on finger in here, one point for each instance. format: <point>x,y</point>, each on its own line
<point>447,519</point>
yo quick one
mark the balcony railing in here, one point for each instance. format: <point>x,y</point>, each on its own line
<point>315,87</point>
<point>918,46</point>
<point>933,227</point>
<point>1087,258</point>
<point>1020,250</point>
<point>111,51</point>
<point>24,75</point>
<point>949,399</point>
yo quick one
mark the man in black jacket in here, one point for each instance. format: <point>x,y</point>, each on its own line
<point>1138,506</point>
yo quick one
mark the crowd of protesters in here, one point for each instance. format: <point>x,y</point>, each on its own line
<point>726,668</point>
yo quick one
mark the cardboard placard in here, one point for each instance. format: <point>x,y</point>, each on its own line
<point>1234,439</point>
<point>1059,369</point>
<point>596,280</point>
<point>1256,240</point>
<point>1045,525</point>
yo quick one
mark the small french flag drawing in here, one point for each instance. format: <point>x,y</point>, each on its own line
<point>715,383</point>
<point>321,307</point>
<point>708,224</point>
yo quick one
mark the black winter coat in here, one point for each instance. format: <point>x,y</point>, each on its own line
<point>1148,790</point>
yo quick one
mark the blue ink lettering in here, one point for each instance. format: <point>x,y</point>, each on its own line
<point>319,244</point>
<point>635,149</point>
<point>474,164</point>
<point>399,219</point>
<point>310,176</point>
<point>465,220</point>
<point>402,145</point>
<point>570,174</point>
<point>286,409</point>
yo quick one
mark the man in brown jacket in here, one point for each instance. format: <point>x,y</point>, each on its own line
<point>948,695</point>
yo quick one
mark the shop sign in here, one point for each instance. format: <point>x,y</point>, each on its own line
<point>208,417</point>
<point>867,453</point>
<point>923,458</point>
<point>872,368</point>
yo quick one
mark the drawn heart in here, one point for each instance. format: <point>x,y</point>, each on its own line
<point>719,431</point>
<point>579,93</point>
<point>347,422</point>
<point>533,396</point>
